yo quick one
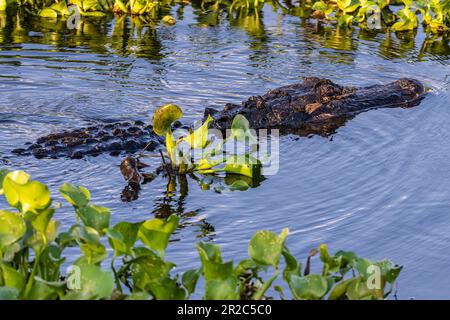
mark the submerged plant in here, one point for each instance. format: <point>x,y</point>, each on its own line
<point>32,256</point>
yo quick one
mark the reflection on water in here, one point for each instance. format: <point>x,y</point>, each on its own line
<point>138,36</point>
<point>378,187</point>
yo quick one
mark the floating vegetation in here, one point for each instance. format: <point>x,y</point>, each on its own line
<point>396,15</point>
<point>182,149</point>
<point>32,257</point>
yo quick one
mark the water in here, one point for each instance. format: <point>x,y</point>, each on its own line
<point>379,187</point>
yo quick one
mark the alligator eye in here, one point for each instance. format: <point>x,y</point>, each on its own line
<point>411,85</point>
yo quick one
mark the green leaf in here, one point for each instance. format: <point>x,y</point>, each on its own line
<point>95,217</point>
<point>10,277</point>
<point>346,20</point>
<point>331,264</point>
<point>119,6</point>
<point>240,130</point>
<point>348,6</point>
<point>10,252</point>
<point>51,260</point>
<point>25,195</point>
<point>148,268</point>
<point>3,5</point>
<point>190,279</point>
<point>20,177</point>
<point>137,7</point>
<point>245,165</point>
<point>245,265</point>
<point>89,242</point>
<point>155,233</point>
<point>60,8</point>
<point>52,289</point>
<point>3,174</point>
<point>12,228</point>
<point>221,281</point>
<point>339,292</point>
<point>310,287</point>
<point>167,289</point>
<point>138,296</point>
<point>221,289</point>
<point>122,237</point>
<point>377,274</point>
<point>40,222</point>
<point>346,260</point>
<point>199,138</point>
<point>212,264</point>
<point>66,239</point>
<point>46,231</point>
<point>41,291</point>
<point>48,13</point>
<point>76,196</point>
<point>320,6</point>
<point>8,293</point>
<point>362,266</point>
<point>164,117</point>
<point>438,27</point>
<point>408,21</point>
<point>95,283</point>
<point>170,145</point>
<point>358,290</point>
<point>266,247</point>
<point>293,267</point>
<point>389,270</point>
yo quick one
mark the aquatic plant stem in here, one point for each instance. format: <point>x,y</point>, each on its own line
<point>30,281</point>
<point>260,293</point>
<point>116,277</point>
<point>165,164</point>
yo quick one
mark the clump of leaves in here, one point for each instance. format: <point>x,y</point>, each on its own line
<point>214,156</point>
<point>32,256</point>
<point>434,14</point>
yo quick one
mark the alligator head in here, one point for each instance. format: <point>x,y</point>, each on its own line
<point>317,106</point>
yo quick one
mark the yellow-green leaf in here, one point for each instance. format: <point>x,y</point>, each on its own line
<point>25,195</point>
<point>155,233</point>
<point>164,117</point>
<point>12,228</point>
<point>199,138</point>
<point>48,13</point>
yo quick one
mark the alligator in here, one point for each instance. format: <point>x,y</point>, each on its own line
<point>316,106</point>
<point>114,138</point>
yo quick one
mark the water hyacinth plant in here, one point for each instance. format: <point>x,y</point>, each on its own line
<point>32,256</point>
<point>214,158</point>
<point>395,15</point>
